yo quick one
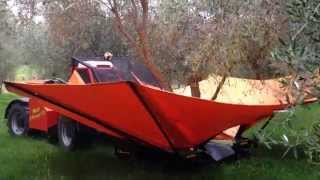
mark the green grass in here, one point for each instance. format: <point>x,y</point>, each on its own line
<point>28,158</point>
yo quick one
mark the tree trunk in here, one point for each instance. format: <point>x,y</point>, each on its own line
<point>195,89</point>
<point>145,53</point>
<point>220,85</point>
<point>194,85</point>
<point>142,47</point>
<point>158,75</point>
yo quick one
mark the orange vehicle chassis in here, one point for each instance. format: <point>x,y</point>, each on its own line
<point>122,104</point>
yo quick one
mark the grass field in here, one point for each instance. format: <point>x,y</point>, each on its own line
<point>28,158</point>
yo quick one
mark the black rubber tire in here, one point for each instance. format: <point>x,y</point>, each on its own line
<point>52,135</point>
<point>18,120</point>
<point>67,133</point>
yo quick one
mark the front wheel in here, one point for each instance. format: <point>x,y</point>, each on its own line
<point>18,120</point>
<point>67,133</point>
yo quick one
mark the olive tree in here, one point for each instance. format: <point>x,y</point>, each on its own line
<point>193,39</point>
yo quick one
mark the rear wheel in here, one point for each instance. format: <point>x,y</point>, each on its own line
<point>67,133</point>
<point>18,120</point>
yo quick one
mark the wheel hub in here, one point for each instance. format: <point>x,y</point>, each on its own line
<point>17,124</point>
<point>66,134</point>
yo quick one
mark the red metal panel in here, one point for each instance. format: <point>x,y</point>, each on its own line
<point>37,116</point>
<point>40,117</point>
<point>53,117</point>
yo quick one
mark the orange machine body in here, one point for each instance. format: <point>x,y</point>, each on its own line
<point>143,114</point>
<point>41,117</point>
<point>133,110</point>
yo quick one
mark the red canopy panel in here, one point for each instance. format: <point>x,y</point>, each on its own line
<point>148,115</point>
<point>191,121</point>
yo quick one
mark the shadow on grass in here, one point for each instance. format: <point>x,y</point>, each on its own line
<point>101,162</point>
<point>98,161</point>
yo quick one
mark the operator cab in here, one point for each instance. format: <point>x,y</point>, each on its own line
<point>100,70</point>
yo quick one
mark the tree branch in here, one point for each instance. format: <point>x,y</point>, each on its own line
<point>145,12</point>
<point>114,7</point>
<point>220,85</point>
